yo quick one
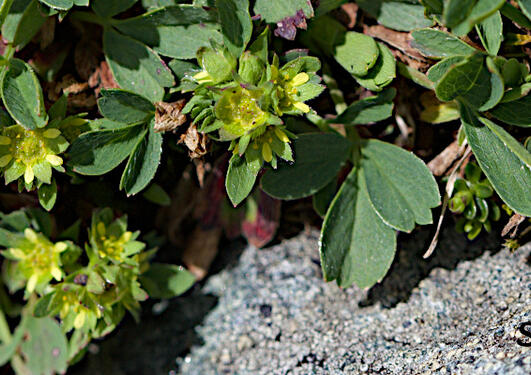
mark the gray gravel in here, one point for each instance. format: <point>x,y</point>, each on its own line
<point>447,315</point>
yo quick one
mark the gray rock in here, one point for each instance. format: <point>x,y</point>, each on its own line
<point>275,315</point>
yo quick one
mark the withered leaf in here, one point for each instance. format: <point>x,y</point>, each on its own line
<point>168,116</point>
<point>197,143</point>
<point>287,28</point>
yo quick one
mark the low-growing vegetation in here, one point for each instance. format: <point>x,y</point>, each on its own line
<point>202,116</point>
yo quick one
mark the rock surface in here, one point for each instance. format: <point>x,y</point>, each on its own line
<point>269,312</point>
<point>446,315</point>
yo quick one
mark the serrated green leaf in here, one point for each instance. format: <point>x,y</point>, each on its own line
<point>368,110</point>
<point>166,280</point>
<point>382,73</point>
<point>516,112</point>
<point>456,11</point>
<point>135,66</point>
<point>357,54</point>
<point>396,14</point>
<point>323,198</point>
<point>437,71</point>
<point>355,245</point>
<point>471,81</point>
<point>59,4</point>
<point>22,95</point>
<point>505,162</point>
<point>7,350</point>
<point>318,159</point>
<point>276,11</point>
<point>22,22</point>
<point>326,6</point>
<point>124,106</point>
<point>490,31</point>
<point>176,31</point>
<point>42,307</point>
<point>323,34</point>
<point>480,11</point>
<point>48,195</point>
<point>236,24</point>
<point>439,44</point>
<point>401,188</point>
<point>143,163</point>
<point>45,349</point>
<point>109,8</point>
<point>525,6</point>
<point>515,15</point>
<point>433,6</point>
<point>240,179</point>
<point>100,151</point>
<point>5,6</point>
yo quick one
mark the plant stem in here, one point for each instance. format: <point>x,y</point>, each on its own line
<point>5,333</point>
<point>4,10</point>
<point>9,52</point>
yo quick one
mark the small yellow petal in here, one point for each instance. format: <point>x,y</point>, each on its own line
<point>54,160</point>
<point>17,253</point>
<point>56,273</point>
<point>301,106</point>
<point>4,140</point>
<point>4,160</point>
<point>51,133</point>
<point>281,135</point>
<point>127,236</point>
<point>29,175</point>
<point>266,152</point>
<point>79,320</point>
<point>202,77</point>
<point>31,235</point>
<point>300,79</point>
<point>32,283</point>
<point>59,247</point>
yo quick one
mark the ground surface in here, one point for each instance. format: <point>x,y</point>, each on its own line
<point>270,313</point>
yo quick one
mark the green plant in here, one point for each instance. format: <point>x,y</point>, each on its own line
<point>272,97</point>
<point>88,289</point>
<point>471,199</point>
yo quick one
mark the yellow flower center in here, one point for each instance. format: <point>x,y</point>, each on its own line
<point>27,146</point>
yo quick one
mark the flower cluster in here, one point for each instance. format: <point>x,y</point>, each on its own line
<point>89,297</point>
<point>243,99</point>
<point>31,153</point>
<point>37,259</point>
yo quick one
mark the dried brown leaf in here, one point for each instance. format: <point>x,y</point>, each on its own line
<point>512,225</point>
<point>397,39</point>
<point>351,11</point>
<point>168,116</point>
<point>197,143</point>
<point>440,164</point>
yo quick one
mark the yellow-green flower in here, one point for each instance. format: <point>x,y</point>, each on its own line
<point>30,153</point>
<point>115,243</point>
<point>38,259</point>
<point>240,111</point>
<point>266,147</point>
<point>287,91</point>
<point>76,307</point>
